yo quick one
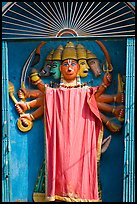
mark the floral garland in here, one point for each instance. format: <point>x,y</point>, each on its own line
<point>66,86</point>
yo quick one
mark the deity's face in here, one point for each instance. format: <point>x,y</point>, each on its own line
<point>95,66</point>
<point>69,69</point>
<point>83,71</point>
<point>45,71</point>
<point>55,69</point>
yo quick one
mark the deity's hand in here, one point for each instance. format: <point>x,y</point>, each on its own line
<point>25,118</point>
<point>120,98</point>
<point>119,111</point>
<point>21,107</point>
<point>23,93</point>
<point>107,79</point>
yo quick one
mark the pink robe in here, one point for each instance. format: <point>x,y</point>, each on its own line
<point>72,129</point>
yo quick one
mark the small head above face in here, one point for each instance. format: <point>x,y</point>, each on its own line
<point>56,57</point>
<point>93,63</point>
<point>84,67</point>
<point>69,69</point>
<point>95,66</point>
<point>45,71</point>
<point>81,56</point>
<point>55,69</point>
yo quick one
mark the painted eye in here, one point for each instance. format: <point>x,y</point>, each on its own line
<point>82,63</point>
<point>65,64</point>
<point>92,62</point>
<point>73,64</point>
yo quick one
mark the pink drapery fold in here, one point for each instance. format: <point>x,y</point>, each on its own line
<point>72,129</point>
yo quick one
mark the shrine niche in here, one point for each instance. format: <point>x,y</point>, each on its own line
<point>69,64</point>
<point>68,101</point>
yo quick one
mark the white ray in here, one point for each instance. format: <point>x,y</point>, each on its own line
<point>57,24</point>
<point>76,14</point>
<point>96,23</point>
<point>102,14</point>
<point>70,24</point>
<point>16,24</point>
<point>9,5</point>
<point>83,11</point>
<point>111,33</point>
<point>53,22</point>
<point>116,17</point>
<point>28,31</point>
<point>64,14</point>
<point>85,16</point>
<point>59,20</point>
<point>25,34</point>
<point>85,23</point>
<point>109,29</point>
<point>15,19</point>
<point>31,19</point>
<point>67,15</point>
<point>59,14</point>
<point>73,14</point>
<point>99,27</point>
<point>63,19</point>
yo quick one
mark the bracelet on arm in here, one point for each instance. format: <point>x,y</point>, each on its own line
<point>28,106</point>
<point>37,82</point>
<point>104,85</point>
<point>113,110</point>
<point>32,117</point>
<point>107,122</point>
<point>115,98</point>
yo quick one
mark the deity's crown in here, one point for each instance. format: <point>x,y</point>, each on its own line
<point>90,55</point>
<point>69,52</point>
<point>57,53</point>
<point>81,52</point>
<point>49,57</point>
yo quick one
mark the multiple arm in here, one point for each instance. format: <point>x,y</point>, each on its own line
<point>38,102</point>
<point>103,106</point>
<point>101,99</point>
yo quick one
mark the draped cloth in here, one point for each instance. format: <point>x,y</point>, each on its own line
<point>72,126</point>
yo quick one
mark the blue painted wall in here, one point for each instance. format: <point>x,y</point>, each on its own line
<point>27,149</point>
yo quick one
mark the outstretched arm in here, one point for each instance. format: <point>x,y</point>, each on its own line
<point>22,107</point>
<point>106,82</point>
<point>36,80</point>
<point>36,114</point>
<point>109,124</point>
<point>28,93</point>
<point>117,111</point>
<point>107,98</point>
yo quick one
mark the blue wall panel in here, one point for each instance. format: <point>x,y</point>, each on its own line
<point>27,149</point>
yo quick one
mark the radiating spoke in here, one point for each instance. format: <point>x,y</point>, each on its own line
<point>56,16</point>
<point>27,31</point>
<point>51,19</point>
<point>72,21</point>
<point>80,16</point>
<point>85,16</point>
<point>39,19</point>
<point>101,31</point>
<point>75,20</point>
<point>63,18</point>
<point>28,27</point>
<point>22,21</point>
<point>64,11</point>
<point>105,17</point>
